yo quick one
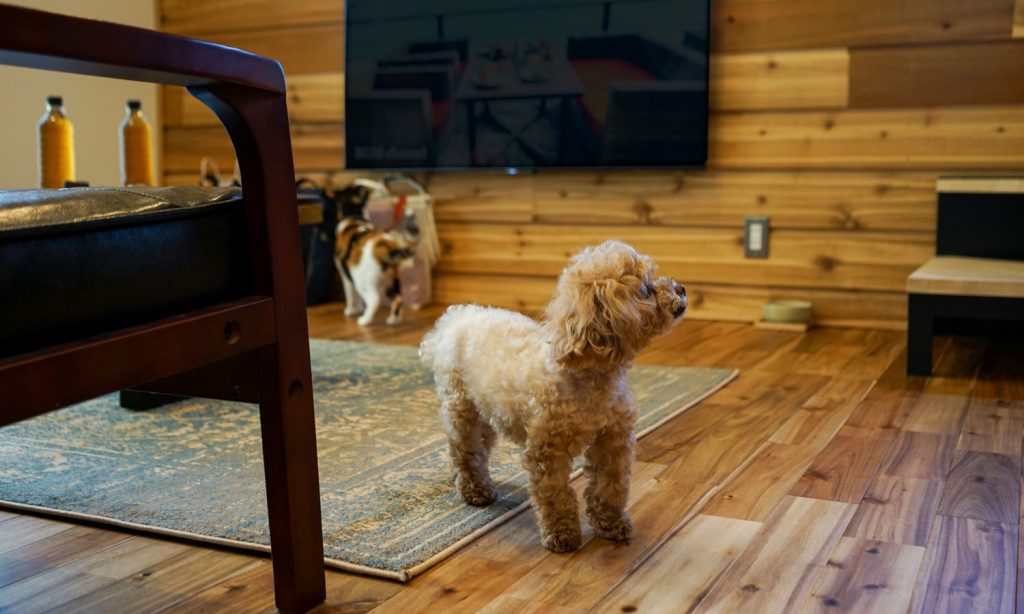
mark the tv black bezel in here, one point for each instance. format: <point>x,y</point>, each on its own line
<point>521,170</point>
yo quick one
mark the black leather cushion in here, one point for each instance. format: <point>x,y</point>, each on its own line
<point>79,262</point>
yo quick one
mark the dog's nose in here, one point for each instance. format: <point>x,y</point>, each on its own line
<point>680,289</point>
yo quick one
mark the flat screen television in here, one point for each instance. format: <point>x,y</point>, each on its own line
<point>455,84</point>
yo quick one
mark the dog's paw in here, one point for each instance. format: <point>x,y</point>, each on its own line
<point>394,320</point>
<point>479,495</point>
<point>365,320</point>
<point>618,529</point>
<point>351,312</point>
<point>562,540</point>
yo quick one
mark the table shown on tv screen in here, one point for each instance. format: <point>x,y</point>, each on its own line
<point>526,83</point>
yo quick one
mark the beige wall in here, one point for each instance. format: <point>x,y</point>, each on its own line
<point>95,105</point>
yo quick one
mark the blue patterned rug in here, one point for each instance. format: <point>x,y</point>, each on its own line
<point>194,468</point>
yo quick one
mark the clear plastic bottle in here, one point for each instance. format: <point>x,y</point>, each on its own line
<point>136,147</point>
<point>56,145</point>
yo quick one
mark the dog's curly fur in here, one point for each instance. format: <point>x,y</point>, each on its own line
<point>557,387</point>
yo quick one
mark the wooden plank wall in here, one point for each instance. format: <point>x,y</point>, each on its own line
<point>834,117</point>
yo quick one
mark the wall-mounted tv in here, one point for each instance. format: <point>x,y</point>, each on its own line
<point>453,84</point>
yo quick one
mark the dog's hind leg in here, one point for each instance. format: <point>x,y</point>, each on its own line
<point>469,445</point>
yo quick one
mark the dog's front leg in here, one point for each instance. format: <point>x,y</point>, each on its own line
<point>549,466</point>
<point>609,462</point>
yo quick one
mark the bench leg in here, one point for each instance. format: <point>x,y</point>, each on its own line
<point>920,329</point>
<point>293,487</point>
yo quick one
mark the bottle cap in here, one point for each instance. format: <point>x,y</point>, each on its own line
<point>55,101</point>
<point>135,105</point>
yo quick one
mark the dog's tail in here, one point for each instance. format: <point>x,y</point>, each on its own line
<point>440,341</point>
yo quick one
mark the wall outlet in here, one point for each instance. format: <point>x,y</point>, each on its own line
<point>755,237</point>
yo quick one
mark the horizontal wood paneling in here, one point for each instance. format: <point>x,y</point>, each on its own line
<point>834,118</point>
<point>299,49</point>
<point>951,138</point>
<point>799,258</point>
<point>794,200</point>
<point>707,301</point>
<point>811,79</point>
<point>315,97</point>
<point>933,75</point>
<point>747,25</point>
<point>315,147</point>
<point>203,17</point>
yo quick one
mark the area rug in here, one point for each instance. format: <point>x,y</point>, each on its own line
<point>193,469</point>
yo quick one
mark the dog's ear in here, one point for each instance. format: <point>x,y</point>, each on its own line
<point>592,324</point>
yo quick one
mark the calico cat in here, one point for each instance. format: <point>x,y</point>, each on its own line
<point>368,261</point>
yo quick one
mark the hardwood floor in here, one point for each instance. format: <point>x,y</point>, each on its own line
<point>822,479</point>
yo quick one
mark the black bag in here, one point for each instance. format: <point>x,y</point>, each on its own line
<point>322,282</point>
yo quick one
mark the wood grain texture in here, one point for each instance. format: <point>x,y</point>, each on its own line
<point>197,17</point>
<point>937,75</point>
<point>799,259</point>
<point>993,425</point>
<point>897,510</point>
<point>817,420</point>
<point>755,492</point>
<point>804,200</point>
<point>744,25</point>
<point>951,138</point>
<point>314,97</point>
<point>1018,19</point>
<point>954,275</point>
<point>60,585</point>
<point>926,456</point>
<point>866,576</point>
<point>813,79</point>
<point>58,549</point>
<point>314,48</point>
<point>983,486</point>
<point>315,146</point>
<point>707,302</point>
<point>687,565</point>
<point>970,566</point>
<point>777,571</point>
<point>845,468</point>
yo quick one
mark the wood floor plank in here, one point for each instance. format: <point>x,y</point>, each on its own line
<point>755,492</point>
<point>969,566</point>
<point>22,530</point>
<point>54,551</point>
<point>993,425</point>
<point>926,456</point>
<point>684,568</point>
<point>867,576</point>
<point>897,510</point>
<point>983,486</point>
<point>165,583</point>
<point>61,585</point>
<point>845,468</point>
<point>777,571</point>
<point>822,415</point>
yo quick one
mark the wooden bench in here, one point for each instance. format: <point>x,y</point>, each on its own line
<point>978,272</point>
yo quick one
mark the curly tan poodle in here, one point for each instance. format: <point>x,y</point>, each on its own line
<point>557,387</point>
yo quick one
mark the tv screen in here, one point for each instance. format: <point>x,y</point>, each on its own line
<point>525,83</point>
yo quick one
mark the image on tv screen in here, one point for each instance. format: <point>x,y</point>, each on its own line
<point>525,83</point>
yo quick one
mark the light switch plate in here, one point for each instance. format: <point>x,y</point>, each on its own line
<point>755,237</point>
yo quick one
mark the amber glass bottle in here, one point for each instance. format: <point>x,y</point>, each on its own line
<point>136,147</point>
<point>56,150</point>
